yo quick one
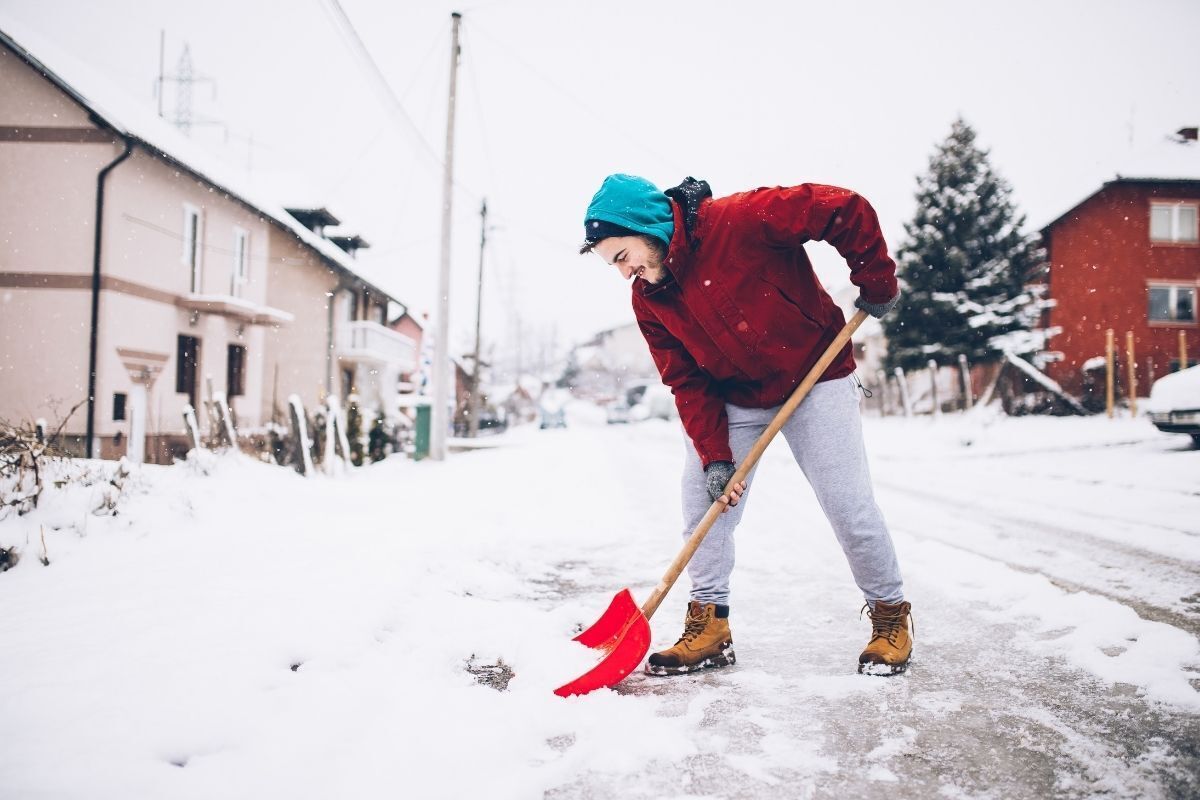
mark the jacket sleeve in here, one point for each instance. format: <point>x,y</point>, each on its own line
<point>794,215</point>
<point>701,408</point>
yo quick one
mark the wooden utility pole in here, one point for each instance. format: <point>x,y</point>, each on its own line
<point>1132,373</point>
<point>1108,372</point>
<point>442,371</point>
<point>475,403</point>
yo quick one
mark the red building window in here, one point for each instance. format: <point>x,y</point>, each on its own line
<point>1172,304</point>
<point>1174,222</point>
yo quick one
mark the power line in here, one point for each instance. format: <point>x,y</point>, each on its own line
<point>589,110</point>
<point>351,38</point>
<point>354,42</point>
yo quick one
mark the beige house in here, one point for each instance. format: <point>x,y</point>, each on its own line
<point>340,342</point>
<point>137,277</point>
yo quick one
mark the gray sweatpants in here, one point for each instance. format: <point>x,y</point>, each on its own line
<point>825,436</point>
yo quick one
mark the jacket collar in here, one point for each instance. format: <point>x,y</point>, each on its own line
<point>686,201</point>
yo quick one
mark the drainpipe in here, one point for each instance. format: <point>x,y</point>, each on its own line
<point>91,402</point>
<point>330,359</point>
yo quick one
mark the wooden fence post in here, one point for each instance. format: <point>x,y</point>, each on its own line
<point>968,390</point>
<point>933,392</point>
<point>301,456</point>
<point>1183,359</point>
<point>903,386</point>
<point>1132,373</point>
<point>1108,372</point>
<point>193,427</point>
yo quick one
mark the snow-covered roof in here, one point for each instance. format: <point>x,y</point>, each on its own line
<point>115,109</point>
<point>1165,162</point>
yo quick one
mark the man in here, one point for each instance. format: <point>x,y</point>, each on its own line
<point>735,317</point>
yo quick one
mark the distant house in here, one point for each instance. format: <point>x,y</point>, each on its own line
<point>1127,258</point>
<point>604,365</point>
<point>412,328</point>
<point>138,276</point>
<point>343,341</point>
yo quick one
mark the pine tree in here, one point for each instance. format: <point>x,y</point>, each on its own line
<point>965,266</point>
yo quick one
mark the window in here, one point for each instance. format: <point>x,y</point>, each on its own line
<point>235,371</point>
<point>1172,303</point>
<point>191,246</point>
<point>187,367</point>
<point>1173,222</point>
<point>118,406</point>
<point>241,262</point>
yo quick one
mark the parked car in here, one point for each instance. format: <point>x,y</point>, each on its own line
<point>617,412</point>
<point>1175,403</point>
<point>642,401</point>
<point>552,409</point>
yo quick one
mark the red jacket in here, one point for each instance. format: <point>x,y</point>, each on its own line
<point>742,317</point>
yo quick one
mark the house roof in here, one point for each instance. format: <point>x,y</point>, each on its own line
<point>1164,161</point>
<point>110,107</point>
<point>1118,181</point>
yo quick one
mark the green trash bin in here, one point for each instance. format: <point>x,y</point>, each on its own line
<point>421,434</point>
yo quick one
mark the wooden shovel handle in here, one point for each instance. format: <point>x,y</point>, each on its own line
<point>743,469</point>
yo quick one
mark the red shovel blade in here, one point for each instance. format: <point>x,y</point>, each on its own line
<point>623,634</point>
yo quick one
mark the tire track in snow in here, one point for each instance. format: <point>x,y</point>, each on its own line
<point>1105,554</point>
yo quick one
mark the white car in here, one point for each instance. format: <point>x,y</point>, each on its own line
<point>1175,403</point>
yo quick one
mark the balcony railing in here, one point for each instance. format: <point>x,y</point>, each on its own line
<point>362,340</point>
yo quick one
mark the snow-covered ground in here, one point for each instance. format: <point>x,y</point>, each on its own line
<point>237,631</point>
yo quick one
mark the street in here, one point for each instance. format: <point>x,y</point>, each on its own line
<point>236,630</point>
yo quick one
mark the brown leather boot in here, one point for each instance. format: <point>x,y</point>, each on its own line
<point>891,644</point>
<point>706,643</point>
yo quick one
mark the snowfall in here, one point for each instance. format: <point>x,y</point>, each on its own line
<point>222,628</point>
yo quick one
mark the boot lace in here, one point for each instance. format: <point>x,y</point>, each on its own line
<point>693,626</point>
<point>885,625</point>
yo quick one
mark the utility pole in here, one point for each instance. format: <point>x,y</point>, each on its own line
<point>441,348</point>
<point>476,404</point>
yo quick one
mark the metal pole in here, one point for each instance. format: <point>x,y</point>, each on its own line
<point>441,345</point>
<point>475,404</point>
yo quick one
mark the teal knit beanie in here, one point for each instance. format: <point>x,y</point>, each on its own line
<point>632,203</point>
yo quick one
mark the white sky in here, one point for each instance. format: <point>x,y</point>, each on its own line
<point>555,95</point>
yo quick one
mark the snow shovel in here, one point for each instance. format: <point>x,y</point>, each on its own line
<point>623,632</point>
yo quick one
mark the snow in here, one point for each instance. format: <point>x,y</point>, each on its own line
<point>232,629</point>
<point>1178,391</point>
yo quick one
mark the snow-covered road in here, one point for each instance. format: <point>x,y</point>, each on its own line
<point>237,631</point>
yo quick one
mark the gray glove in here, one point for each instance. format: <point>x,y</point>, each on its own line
<point>876,310</point>
<point>716,476</point>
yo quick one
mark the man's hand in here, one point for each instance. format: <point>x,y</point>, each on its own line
<point>876,310</point>
<point>716,475</point>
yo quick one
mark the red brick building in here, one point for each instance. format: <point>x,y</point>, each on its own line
<point>1126,258</point>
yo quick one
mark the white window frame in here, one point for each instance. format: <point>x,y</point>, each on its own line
<point>1173,288</point>
<point>1176,235</point>
<point>239,273</point>
<point>192,254</point>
